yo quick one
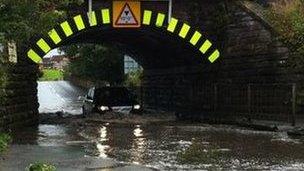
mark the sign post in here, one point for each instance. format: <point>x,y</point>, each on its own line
<point>90,11</point>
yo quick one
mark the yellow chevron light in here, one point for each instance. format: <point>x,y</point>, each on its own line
<point>195,38</point>
<point>79,22</point>
<point>160,20</point>
<point>66,28</point>
<point>105,16</point>
<point>172,25</point>
<point>34,56</point>
<point>214,56</point>
<point>54,36</point>
<point>184,31</point>
<point>92,18</point>
<point>147,17</point>
<point>43,46</point>
<point>204,48</point>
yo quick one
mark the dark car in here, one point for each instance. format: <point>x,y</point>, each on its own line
<point>106,99</point>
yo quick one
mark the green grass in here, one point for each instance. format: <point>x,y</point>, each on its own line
<point>51,75</point>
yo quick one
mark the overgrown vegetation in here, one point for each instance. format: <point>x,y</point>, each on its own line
<point>41,167</point>
<point>5,139</point>
<point>51,75</point>
<point>133,79</point>
<point>288,20</point>
<point>95,62</point>
<point>22,19</point>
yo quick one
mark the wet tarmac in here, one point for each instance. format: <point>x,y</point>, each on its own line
<point>163,146</point>
<point>59,96</point>
<point>166,146</point>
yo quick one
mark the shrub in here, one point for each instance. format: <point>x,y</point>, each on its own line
<point>133,79</point>
<point>288,20</point>
<point>5,139</point>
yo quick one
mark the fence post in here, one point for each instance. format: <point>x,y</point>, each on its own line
<point>249,99</point>
<point>294,101</point>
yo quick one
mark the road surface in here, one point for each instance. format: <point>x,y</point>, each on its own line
<point>59,96</point>
<point>159,146</point>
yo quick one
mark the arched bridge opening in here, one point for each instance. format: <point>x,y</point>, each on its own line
<point>167,49</point>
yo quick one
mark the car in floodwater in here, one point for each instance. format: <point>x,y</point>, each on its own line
<point>110,99</point>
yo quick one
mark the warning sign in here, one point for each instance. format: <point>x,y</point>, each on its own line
<point>126,14</point>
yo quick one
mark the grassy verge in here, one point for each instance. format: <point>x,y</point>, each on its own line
<point>51,75</point>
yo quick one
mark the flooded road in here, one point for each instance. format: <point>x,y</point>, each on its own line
<point>59,96</point>
<point>171,146</point>
<point>157,146</point>
<point>175,146</point>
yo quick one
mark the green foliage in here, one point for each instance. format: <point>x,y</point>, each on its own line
<point>22,19</point>
<point>95,62</point>
<point>288,20</point>
<point>3,82</point>
<point>133,79</point>
<point>51,75</point>
<point>5,139</point>
<point>41,167</point>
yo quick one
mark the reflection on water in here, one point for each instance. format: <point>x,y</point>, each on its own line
<point>175,147</point>
<point>101,144</point>
<point>161,146</point>
<point>139,143</point>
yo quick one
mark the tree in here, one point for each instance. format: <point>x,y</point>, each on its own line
<point>288,20</point>
<point>22,19</point>
<point>95,62</point>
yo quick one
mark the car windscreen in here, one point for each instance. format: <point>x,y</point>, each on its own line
<point>113,97</point>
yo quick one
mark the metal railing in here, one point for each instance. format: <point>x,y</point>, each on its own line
<point>276,102</point>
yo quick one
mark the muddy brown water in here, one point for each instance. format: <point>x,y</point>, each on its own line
<point>163,146</point>
<point>166,146</point>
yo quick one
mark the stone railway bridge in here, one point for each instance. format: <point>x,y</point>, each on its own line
<point>213,60</point>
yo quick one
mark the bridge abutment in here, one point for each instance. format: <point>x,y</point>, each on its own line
<point>19,103</point>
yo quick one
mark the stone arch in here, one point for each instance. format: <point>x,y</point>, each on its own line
<point>102,18</point>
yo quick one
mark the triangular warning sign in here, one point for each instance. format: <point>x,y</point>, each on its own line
<point>126,16</point>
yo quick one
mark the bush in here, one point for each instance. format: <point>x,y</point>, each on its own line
<point>5,139</point>
<point>41,167</point>
<point>288,20</point>
<point>133,79</point>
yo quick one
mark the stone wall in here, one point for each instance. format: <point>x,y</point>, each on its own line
<point>19,104</point>
<point>252,62</point>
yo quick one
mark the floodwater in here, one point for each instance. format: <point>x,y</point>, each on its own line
<point>175,146</point>
<point>166,146</point>
<point>155,147</point>
<point>59,96</point>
